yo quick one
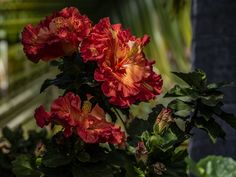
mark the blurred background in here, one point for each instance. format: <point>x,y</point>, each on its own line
<point>167,22</point>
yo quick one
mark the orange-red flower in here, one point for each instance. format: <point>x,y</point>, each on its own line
<point>57,35</point>
<point>125,73</point>
<point>89,124</point>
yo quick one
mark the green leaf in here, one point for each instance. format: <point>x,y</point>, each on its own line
<point>5,162</point>
<point>180,155</point>
<point>92,170</point>
<point>196,79</point>
<point>83,156</point>
<point>213,129</point>
<point>46,84</point>
<point>56,172</point>
<point>227,117</point>
<point>205,111</point>
<point>130,172</point>
<point>176,91</point>
<point>139,172</point>
<point>15,137</point>
<point>117,157</point>
<point>173,161</point>
<point>55,159</point>
<point>181,124</point>
<point>138,126</point>
<point>56,63</point>
<point>180,105</point>
<point>212,99</point>
<point>192,167</point>
<point>176,169</point>
<point>8,134</point>
<point>22,167</point>
<point>174,127</point>
<point>213,166</point>
<point>214,86</point>
<point>168,140</point>
<point>123,160</point>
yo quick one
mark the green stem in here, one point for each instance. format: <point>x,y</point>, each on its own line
<point>117,113</point>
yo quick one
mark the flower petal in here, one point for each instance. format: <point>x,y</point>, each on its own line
<point>42,117</point>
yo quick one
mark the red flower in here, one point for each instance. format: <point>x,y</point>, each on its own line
<point>57,35</point>
<point>125,73</point>
<point>90,125</point>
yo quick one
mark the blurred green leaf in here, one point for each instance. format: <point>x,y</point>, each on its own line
<point>139,172</point>
<point>92,170</point>
<point>214,86</point>
<point>122,159</point>
<point>46,84</point>
<point>55,159</point>
<point>83,156</point>
<point>22,167</point>
<point>13,136</point>
<point>213,166</point>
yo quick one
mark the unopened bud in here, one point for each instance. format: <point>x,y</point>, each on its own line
<point>5,147</point>
<point>159,168</point>
<point>164,119</point>
<point>141,153</point>
<point>39,149</point>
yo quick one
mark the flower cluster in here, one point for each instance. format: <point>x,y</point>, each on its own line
<point>103,70</point>
<point>124,74</point>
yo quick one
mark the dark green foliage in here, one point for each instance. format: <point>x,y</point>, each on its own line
<point>18,144</point>
<point>171,157</point>
<point>23,166</point>
<point>73,74</point>
<point>92,170</point>
<point>196,80</point>
<point>138,126</point>
<point>152,150</point>
<point>199,102</point>
<point>70,157</point>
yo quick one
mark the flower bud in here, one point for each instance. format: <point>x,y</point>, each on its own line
<point>39,149</point>
<point>141,153</point>
<point>164,119</point>
<point>159,168</point>
<point>5,147</point>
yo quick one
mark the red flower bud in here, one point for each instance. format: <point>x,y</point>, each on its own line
<point>164,119</point>
<point>141,153</point>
